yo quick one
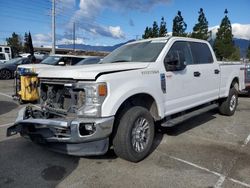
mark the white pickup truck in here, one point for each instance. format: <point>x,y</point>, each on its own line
<point>85,111</point>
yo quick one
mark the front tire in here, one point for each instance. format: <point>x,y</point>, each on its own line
<point>228,106</point>
<point>5,74</point>
<point>135,134</point>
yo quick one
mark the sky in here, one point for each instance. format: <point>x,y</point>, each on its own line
<point>109,22</point>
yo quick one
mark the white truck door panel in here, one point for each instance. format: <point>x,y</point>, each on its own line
<point>198,83</point>
<point>209,72</point>
<point>178,83</point>
<point>209,82</point>
<point>182,91</point>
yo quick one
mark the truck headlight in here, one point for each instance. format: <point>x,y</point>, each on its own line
<point>95,95</point>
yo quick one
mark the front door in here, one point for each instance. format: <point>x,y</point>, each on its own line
<point>198,83</point>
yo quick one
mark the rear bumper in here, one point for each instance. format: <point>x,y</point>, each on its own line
<point>65,135</point>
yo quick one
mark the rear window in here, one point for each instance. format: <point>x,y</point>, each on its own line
<point>201,53</point>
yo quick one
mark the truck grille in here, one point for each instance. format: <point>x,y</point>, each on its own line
<point>60,99</point>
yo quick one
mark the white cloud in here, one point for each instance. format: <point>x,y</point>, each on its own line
<point>241,31</point>
<point>116,32</point>
<point>46,40</point>
<point>41,40</point>
<point>90,9</point>
<point>65,6</point>
<point>70,41</point>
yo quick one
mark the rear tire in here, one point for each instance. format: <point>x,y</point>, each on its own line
<point>135,134</point>
<point>228,106</point>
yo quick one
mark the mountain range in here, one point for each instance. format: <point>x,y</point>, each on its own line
<point>241,43</point>
<point>93,48</point>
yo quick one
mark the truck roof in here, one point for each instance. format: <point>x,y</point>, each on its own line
<point>165,39</point>
<point>66,55</point>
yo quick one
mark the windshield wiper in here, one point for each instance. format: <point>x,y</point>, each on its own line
<point>118,61</point>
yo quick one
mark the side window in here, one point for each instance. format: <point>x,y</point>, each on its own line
<point>2,57</point>
<point>67,60</point>
<point>182,49</point>
<point>7,50</point>
<point>201,53</point>
<point>75,60</point>
<point>1,49</point>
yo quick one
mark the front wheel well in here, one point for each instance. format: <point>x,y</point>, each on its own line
<point>143,100</point>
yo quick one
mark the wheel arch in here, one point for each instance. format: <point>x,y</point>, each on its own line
<point>141,99</point>
<point>235,83</point>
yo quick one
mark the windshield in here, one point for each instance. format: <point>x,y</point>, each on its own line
<point>136,52</point>
<point>51,60</point>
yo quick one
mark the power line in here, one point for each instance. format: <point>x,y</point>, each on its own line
<point>24,18</point>
<point>24,3</point>
<point>61,15</point>
<point>27,15</point>
<point>14,8</point>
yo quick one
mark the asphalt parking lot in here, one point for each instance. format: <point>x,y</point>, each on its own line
<point>209,150</point>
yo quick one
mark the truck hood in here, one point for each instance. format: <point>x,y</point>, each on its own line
<point>37,68</point>
<point>90,72</point>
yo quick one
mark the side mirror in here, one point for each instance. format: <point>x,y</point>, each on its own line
<point>61,63</point>
<point>175,61</point>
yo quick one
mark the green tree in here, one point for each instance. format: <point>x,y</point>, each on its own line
<point>163,28</point>
<point>15,43</point>
<point>147,33</point>
<point>31,48</point>
<point>150,32</point>
<point>248,52</point>
<point>155,30</point>
<point>26,43</point>
<point>179,26</point>
<point>200,30</point>
<point>235,56</point>
<point>223,45</point>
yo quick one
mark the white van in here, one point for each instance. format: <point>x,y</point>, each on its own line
<point>4,57</point>
<point>6,49</point>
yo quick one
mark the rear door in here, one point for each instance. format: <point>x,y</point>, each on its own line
<point>206,73</point>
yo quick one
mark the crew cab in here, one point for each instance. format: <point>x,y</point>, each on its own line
<point>84,111</point>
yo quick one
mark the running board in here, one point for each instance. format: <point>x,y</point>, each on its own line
<point>176,120</point>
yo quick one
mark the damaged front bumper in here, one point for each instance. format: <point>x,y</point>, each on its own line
<point>74,136</point>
